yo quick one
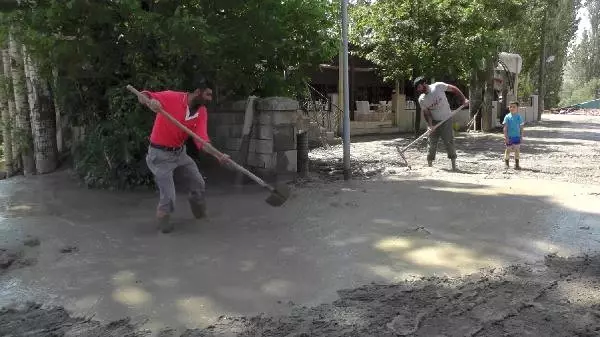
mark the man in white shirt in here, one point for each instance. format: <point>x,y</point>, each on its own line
<point>435,107</point>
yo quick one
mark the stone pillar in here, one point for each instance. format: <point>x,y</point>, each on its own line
<point>225,127</point>
<point>272,153</point>
<point>535,104</point>
<point>404,118</point>
<point>275,147</point>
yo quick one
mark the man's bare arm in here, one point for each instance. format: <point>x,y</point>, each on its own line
<point>456,91</point>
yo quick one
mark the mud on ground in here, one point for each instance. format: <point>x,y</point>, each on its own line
<point>555,148</point>
<point>559,297</point>
<point>18,255</point>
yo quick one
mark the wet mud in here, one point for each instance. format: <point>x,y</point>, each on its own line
<point>561,147</point>
<point>17,256</point>
<point>556,297</point>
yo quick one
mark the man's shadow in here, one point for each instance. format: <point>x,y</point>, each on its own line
<point>458,171</point>
<point>522,169</point>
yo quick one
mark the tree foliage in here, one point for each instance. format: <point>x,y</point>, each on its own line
<point>437,38</point>
<point>579,92</point>
<point>582,72</point>
<point>451,38</point>
<point>90,50</point>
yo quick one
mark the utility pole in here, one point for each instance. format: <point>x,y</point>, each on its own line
<point>542,88</point>
<point>346,90</point>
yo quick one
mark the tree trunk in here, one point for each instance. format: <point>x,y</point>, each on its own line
<point>59,121</point>
<point>7,106</point>
<point>12,110</point>
<point>43,118</point>
<point>417,125</point>
<point>22,136</point>
<point>476,97</point>
<point>487,115</point>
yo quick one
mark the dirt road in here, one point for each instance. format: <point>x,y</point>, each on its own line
<point>454,238</point>
<point>561,148</point>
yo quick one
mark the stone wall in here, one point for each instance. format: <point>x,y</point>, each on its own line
<point>272,151</point>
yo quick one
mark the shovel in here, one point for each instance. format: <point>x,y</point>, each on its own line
<point>427,133</point>
<point>278,195</point>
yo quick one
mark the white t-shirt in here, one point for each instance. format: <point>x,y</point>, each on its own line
<point>436,102</point>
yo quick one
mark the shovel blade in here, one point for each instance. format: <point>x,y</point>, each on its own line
<point>279,195</point>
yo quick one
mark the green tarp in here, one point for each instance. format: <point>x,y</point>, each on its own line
<point>595,104</point>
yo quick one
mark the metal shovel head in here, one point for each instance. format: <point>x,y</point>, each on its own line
<point>279,195</point>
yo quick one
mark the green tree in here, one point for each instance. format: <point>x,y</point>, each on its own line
<point>439,37</point>
<point>526,35</point>
<point>96,48</point>
<point>582,69</point>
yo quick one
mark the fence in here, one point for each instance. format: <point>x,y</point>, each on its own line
<point>322,111</point>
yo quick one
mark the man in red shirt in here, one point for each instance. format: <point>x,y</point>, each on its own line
<point>167,151</point>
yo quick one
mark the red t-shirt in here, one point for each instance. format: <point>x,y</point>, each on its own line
<point>165,132</point>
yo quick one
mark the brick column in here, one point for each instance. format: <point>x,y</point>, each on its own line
<point>273,152</point>
<point>225,127</point>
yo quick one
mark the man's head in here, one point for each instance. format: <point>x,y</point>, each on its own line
<point>420,85</point>
<point>202,93</point>
<point>514,107</point>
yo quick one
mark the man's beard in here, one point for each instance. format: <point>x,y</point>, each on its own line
<point>196,104</point>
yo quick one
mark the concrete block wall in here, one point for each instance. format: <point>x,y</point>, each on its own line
<point>529,111</point>
<point>272,150</point>
<point>406,120</point>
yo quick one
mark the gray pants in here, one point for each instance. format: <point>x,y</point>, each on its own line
<point>446,132</point>
<point>163,164</point>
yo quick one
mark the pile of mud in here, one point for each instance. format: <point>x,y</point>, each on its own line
<point>32,320</point>
<point>17,257</point>
<point>333,169</point>
<point>367,160</point>
<point>560,297</point>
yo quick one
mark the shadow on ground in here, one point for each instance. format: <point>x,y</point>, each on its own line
<point>558,298</point>
<point>559,146</point>
<point>249,258</point>
<point>327,237</point>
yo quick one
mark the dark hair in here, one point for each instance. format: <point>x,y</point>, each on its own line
<point>514,103</point>
<point>201,83</point>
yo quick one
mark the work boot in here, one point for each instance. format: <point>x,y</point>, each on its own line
<point>517,167</point>
<point>198,209</point>
<point>164,222</point>
<point>506,163</point>
<point>430,163</point>
<point>453,164</point>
